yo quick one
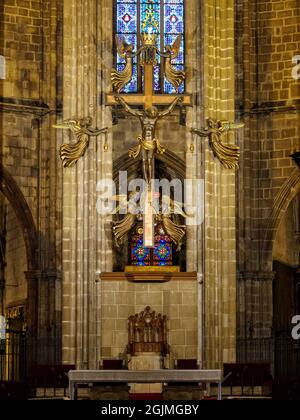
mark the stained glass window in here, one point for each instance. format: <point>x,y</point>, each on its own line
<point>139,256</point>
<point>161,255</point>
<point>163,251</point>
<point>131,17</point>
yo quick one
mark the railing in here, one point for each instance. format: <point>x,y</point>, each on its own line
<point>282,352</point>
<point>255,350</point>
<point>13,357</point>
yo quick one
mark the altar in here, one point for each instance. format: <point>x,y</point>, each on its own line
<point>124,376</point>
<point>174,295</point>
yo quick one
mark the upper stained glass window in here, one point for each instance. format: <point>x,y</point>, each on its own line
<point>131,16</point>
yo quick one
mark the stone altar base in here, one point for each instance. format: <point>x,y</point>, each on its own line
<point>109,392</point>
<point>146,361</point>
<point>183,392</point>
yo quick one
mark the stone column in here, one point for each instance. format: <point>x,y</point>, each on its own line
<point>2,287</point>
<point>255,297</point>
<point>86,239</point>
<point>194,151</point>
<point>31,312</point>
<point>49,318</point>
<point>220,184</point>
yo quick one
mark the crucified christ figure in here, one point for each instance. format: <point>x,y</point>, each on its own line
<point>148,144</point>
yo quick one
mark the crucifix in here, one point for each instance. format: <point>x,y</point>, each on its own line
<point>148,145</point>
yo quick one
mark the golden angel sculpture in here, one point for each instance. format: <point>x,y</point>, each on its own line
<point>123,227</point>
<point>175,77</point>
<point>169,217</point>
<point>71,153</point>
<point>227,154</point>
<point>120,79</point>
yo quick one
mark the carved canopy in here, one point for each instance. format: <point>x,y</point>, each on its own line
<point>147,332</point>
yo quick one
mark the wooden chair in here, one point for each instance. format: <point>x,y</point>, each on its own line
<point>147,333</point>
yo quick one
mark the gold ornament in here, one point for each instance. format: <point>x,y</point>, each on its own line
<point>175,77</point>
<point>119,79</point>
<point>148,145</point>
<point>227,154</point>
<point>71,153</point>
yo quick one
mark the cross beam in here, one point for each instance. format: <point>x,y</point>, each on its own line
<point>149,99</point>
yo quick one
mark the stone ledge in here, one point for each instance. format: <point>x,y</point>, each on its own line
<point>149,277</point>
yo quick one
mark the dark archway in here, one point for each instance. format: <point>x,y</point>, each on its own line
<point>14,195</point>
<point>285,196</point>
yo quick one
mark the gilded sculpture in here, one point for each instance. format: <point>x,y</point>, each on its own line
<point>168,215</point>
<point>227,154</point>
<point>148,144</point>
<point>82,129</point>
<point>175,77</point>
<point>119,79</point>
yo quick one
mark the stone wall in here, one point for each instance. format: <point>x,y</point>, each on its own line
<point>267,39</point>
<point>41,72</point>
<point>86,235</point>
<point>176,299</point>
<point>287,242</point>
<point>16,262</point>
<point>30,41</point>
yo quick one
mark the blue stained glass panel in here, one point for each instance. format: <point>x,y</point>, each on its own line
<point>169,15</point>
<point>140,256</point>
<point>126,18</point>
<point>163,252</point>
<point>153,8</point>
<point>174,18</point>
<point>157,78</point>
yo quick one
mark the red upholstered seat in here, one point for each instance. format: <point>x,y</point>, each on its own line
<point>187,364</point>
<point>112,364</point>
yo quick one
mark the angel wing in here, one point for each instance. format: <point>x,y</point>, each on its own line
<point>122,200</point>
<point>177,208</point>
<point>120,229</point>
<point>174,207</point>
<point>175,231</point>
<point>71,153</point>
<point>228,126</point>
<point>68,125</point>
<point>119,79</point>
<point>227,154</point>
<point>175,77</point>
<point>175,48</point>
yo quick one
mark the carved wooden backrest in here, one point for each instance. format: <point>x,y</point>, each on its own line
<point>147,332</point>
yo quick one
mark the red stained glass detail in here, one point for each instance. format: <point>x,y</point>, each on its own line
<point>127,18</point>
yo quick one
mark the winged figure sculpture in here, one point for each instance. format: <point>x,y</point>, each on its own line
<point>120,79</point>
<point>227,154</point>
<point>71,153</point>
<point>175,77</point>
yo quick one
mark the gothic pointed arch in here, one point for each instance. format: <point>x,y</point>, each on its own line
<point>285,196</point>
<point>14,195</point>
